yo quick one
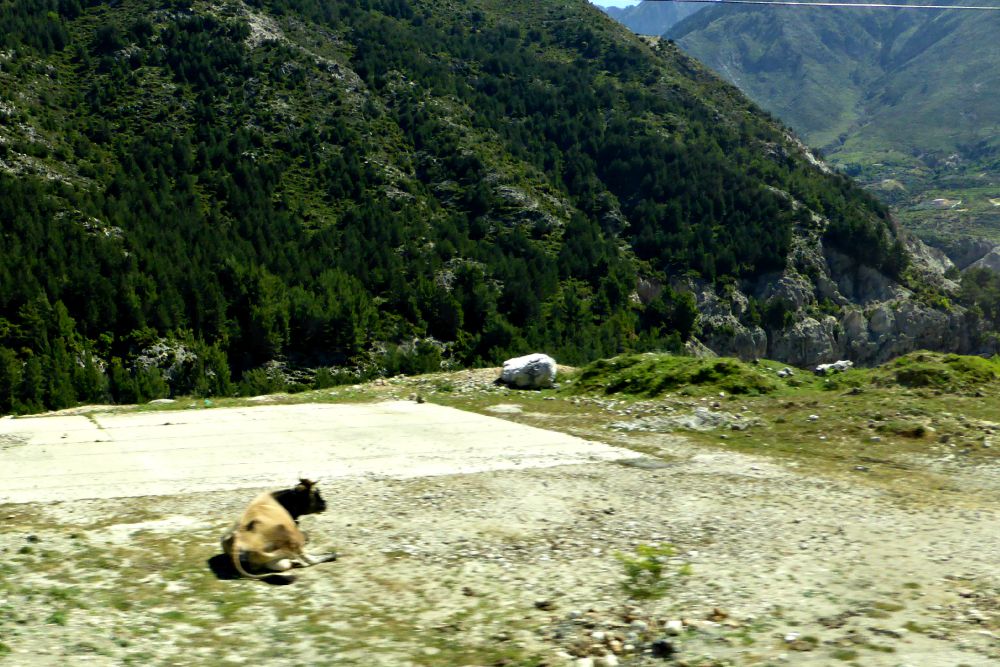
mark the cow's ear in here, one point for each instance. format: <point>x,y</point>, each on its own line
<point>306,483</point>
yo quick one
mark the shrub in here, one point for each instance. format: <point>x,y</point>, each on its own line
<point>646,573</point>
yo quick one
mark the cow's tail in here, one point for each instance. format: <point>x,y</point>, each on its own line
<point>236,554</point>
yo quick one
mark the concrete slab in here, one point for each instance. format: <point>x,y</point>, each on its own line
<point>171,452</point>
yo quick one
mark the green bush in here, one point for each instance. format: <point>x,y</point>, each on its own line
<point>906,429</point>
<point>258,381</point>
<point>647,575</point>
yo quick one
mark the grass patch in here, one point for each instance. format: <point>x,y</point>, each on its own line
<point>844,654</point>
<point>944,372</point>
<point>867,426</point>
<point>880,648</point>
<point>652,375</point>
<point>58,617</point>
<point>903,428</point>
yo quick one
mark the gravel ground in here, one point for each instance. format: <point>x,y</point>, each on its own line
<point>771,564</point>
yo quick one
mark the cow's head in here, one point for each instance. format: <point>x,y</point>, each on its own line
<point>303,499</point>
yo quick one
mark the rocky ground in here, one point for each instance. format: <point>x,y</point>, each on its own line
<point>695,554</point>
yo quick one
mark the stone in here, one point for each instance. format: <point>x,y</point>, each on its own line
<point>835,367</point>
<point>532,371</point>
<point>663,649</point>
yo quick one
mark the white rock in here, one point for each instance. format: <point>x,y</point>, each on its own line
<point>835,367</point>
<point>532,371</point>
<point>674,627</point>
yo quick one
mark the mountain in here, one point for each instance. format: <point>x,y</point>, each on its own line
<point>902,100</point>
<point>652,18</point>
<point>212,197</point>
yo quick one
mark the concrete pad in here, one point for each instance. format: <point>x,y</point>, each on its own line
<point>171,452</point>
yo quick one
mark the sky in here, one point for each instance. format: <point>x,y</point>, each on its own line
<point>615,3</point>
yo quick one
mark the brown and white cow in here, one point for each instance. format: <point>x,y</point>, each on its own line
<point>267,537</point>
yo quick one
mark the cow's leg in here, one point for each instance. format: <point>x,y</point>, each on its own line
<point>280,564</point>
<point>307,560</point>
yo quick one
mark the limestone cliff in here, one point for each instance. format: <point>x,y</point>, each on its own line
<point>829,307</point>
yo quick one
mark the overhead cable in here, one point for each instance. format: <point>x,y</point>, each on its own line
<point>861,5</point>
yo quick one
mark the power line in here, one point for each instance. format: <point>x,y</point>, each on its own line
<point>863,5</point>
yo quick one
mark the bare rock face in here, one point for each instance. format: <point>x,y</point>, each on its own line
<point>966,251</point>
<point>833,309</point>
<point>728,337</point>
<point>990,260</point>
<point>723,331</point>
<point>791,287</point>
<point>807,342</point>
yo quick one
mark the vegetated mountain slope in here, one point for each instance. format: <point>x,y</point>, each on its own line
<point>904,100</point>
<point>652,18</point>
<point>192,190</point>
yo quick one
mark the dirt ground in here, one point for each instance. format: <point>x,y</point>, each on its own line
<point>769,564</point>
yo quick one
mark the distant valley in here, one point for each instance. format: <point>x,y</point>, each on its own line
<point>902,101</point>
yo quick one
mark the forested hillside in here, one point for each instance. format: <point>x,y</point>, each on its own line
<point>194,195</point>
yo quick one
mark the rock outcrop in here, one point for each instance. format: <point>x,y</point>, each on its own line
<point>966,251</point>
<point>990,260</point>
<point>833,308</point>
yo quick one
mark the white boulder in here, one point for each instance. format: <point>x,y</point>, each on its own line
<point>532,371</point>
<point>835,367</point>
